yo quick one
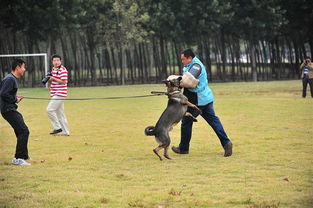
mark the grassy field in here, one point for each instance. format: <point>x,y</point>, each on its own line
<point>108,161</point>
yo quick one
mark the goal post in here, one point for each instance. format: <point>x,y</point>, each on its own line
<point>30,54</point>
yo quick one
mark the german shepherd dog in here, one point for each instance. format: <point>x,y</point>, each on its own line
<point>176,109</point>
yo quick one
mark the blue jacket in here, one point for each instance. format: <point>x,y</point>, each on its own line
<point>201,94</point>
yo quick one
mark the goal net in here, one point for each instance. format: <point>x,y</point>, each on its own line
<point>35,63</point>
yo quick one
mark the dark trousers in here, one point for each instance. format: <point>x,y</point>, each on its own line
<point>305,81</point>
<point>16,120</point>
<point>209,115</point>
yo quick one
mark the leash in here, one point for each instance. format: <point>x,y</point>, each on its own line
<point>159,93</point>
<point>154,93</point>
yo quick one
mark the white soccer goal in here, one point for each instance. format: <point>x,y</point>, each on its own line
<point>30,54</point>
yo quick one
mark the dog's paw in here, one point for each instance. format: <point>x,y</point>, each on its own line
<point>167,157</point>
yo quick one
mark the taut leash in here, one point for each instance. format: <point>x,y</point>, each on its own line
<point>154,93</point>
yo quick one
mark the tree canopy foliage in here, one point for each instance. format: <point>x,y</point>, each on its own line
<point>139,41</point>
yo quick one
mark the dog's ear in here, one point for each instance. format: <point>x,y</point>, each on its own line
<point>179,78</point>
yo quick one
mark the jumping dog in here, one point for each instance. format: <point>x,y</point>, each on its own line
<point>176,109</point>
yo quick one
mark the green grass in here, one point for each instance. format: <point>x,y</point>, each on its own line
<point>113,164</point>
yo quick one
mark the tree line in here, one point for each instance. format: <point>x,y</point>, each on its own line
<point>105,42</point>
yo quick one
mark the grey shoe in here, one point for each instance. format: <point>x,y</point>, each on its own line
<point>228,149</point>
<point>18,161</point>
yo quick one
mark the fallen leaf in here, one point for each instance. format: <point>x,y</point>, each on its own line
<point>174,193</point>
<point>120,175</point>
<point>104,200</point>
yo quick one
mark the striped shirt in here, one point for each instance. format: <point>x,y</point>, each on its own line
<point>305,71</point>
<point>57,89</point>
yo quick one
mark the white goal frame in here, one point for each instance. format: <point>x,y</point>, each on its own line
<point>30,54</point>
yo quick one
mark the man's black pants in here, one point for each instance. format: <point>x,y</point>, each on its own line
<point>305,81</point>
<point>16,120</point>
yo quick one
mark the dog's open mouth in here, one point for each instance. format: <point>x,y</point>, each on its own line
<point>172,86</point>
<point>173,83</point>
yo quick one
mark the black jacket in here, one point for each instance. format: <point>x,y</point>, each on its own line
<point>8,89</point>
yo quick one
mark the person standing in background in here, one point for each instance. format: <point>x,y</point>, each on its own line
<point>58,93</point>
<point>307,75</point>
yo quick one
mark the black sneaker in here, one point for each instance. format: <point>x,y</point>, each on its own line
<point>228,149</point>
<point>56,131</point>
<point>178,151</point>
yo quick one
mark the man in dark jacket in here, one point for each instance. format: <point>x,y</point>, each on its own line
<point>8,105</point>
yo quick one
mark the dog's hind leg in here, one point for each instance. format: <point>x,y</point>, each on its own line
<point>166,153</point>
<point>156,151</point>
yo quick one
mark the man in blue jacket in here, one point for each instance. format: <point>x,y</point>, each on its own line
<point>8,105</point>
<point>197,91</point>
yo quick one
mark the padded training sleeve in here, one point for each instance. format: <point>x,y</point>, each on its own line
<point>195,70</point>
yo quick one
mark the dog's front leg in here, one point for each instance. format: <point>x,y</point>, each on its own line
<point>193,118</point>
<point>189,104</point>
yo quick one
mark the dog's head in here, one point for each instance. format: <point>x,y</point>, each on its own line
<point>173,83</point>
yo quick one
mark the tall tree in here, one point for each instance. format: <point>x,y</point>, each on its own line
<point>253,19</point>
<point>128,28</point>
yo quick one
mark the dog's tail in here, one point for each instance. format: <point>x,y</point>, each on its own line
<point>149,131</point>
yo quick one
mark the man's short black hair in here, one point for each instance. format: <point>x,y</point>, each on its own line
<point>188,52</point>
<point>17,62</point>
<point>56,56</point>
<point>307,57</point>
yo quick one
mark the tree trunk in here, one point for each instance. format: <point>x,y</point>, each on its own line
<point>156,61</point>
<point>217,59</point>
<point>278,60</point>
<point>208,62</point>
<point>311,47</point>
<point>140,64</point>
<point>65,58</point>
<point>114,64</point>
<point>253,59</point>
<point>297,64</point>
<point>177,55</point>
<point>130,66</point>
<point>145,67</point>
<point>223,55</point>
<point>232,55</point>
<point>164,73</point>
<point>122,64</point>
